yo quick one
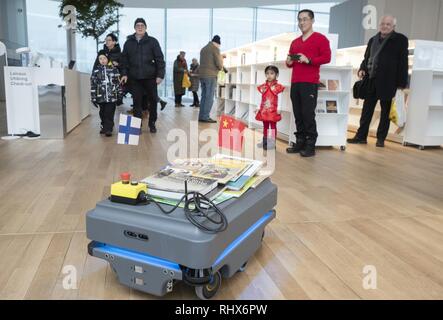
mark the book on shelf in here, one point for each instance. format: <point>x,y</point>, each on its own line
<point>321,106</point>
<point>331,106</point>
<point>323,85</point>
<point>169,183</point>
<point>333,85</point>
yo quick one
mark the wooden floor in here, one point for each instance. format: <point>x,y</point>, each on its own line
<point>336,214</point>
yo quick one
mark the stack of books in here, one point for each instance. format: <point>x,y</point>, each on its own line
<point>220,178</point>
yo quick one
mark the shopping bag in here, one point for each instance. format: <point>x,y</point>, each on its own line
<point>221,78</point>
<point>398,110</point>
<point>186,83</point>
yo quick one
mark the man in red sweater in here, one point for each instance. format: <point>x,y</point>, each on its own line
<point>306,55</point>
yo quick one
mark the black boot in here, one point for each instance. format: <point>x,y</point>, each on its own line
<point>298,146</point>
<point>309,149</point>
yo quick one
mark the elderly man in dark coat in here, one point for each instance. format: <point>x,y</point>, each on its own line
<point>180,68</point>
<point>385,67</point>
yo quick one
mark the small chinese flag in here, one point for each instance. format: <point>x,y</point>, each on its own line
<point>230,133</point>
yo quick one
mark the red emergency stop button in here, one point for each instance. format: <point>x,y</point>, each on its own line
<point>125,176</point>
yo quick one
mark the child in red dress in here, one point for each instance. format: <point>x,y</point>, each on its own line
<point>269,111</point>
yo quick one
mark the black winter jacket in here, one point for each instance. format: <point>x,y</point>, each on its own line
<point>113,55</point>
<point>142,59</point>
<point>105,85</point>
<point>392,70</point>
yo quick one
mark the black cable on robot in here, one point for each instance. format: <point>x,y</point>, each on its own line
<point>204,210</point>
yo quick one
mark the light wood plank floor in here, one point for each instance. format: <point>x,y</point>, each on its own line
<point>336,214</point>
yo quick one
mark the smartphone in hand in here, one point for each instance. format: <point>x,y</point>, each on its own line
<point>295,57</point>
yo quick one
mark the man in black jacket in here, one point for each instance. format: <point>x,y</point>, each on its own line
<point>386,67</point>
<point>143,62</point>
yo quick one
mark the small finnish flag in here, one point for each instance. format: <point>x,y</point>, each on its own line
<point>129,130</point>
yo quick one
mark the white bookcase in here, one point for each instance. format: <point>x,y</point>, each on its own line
<point>424,124</point>
<point>246,70</point>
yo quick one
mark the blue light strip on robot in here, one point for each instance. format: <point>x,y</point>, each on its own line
<point>143,258</point>
<point>246,234</point>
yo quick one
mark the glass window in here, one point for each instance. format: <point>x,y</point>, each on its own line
<point>155,19</point>
<point>272,22</point>
<point>234,26</point>
<point>187,30</point>
<point>42,17</point>
<point>323,7</point>
<point>86,53</point>
<point>283,7</point>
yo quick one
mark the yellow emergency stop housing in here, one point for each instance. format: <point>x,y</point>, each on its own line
<point>128,193</point>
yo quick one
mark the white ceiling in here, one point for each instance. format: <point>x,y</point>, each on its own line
<point>212,3</point>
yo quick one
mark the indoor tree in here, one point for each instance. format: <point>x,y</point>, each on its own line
<point>94,17</point>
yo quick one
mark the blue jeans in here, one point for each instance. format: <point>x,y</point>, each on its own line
<point>208,86</point>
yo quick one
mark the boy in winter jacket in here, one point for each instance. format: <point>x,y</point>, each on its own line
<point>105,92</point>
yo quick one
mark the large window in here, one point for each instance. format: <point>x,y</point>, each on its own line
<point>187,30</point>
<point>45,34</point>
<point>234,26</point>
<point>271,22</point>
<point>184,29</point>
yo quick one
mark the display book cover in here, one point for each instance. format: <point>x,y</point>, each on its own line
<point>221,168</point>
<point>169,182</point>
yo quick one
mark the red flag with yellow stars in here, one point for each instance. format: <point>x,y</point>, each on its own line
<point>230,133</point>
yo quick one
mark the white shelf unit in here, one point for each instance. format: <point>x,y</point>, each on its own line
<point>424,124</point>
<point>246,66</point>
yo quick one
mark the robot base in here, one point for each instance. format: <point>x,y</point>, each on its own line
<point>157,276</point>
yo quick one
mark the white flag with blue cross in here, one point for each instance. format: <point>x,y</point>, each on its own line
<point>129,130</point>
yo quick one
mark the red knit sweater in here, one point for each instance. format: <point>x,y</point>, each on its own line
<point>317,49</point>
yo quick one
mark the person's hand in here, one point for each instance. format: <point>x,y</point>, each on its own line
<point>361,74</point>
<point>303,58</point>
<point>159,80</point>
<point>115,63</point>
<point>124,79</point>
<point>289,60</point>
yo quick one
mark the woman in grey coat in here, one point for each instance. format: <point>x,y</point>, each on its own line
<point>195,82</point>
<point>180,68</point>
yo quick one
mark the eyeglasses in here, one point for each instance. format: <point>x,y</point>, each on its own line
<point>140,25</point>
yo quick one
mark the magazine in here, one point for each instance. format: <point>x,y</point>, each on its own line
<point>170,183</point>
<point>220,169</point>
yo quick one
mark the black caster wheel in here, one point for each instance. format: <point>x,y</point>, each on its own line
<point>209,290</point>
<point>343,148</point>
<point>243,267</point>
